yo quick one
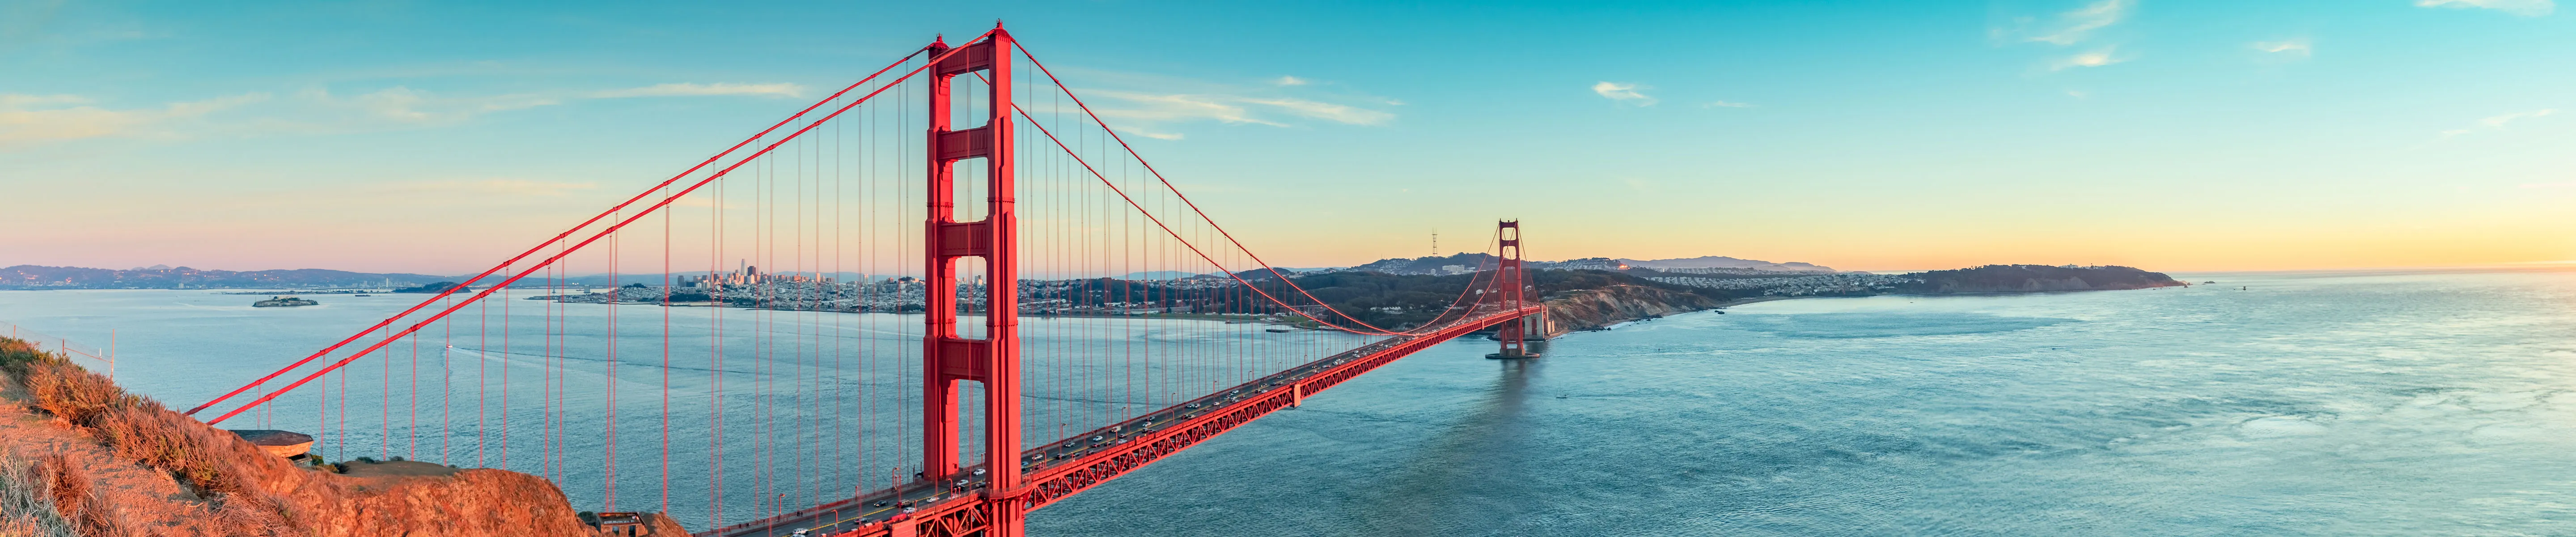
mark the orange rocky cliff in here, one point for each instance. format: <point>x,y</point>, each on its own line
<point>113,464</point>
<point>1592,309</point>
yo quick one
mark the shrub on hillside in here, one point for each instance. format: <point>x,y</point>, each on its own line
<point>67,483</point>
<point>15,354</point>
<point>25,507</point>
<point>70,393</point>
<point>75,496</point>
<point>139,429</point>
<point>160,439</point>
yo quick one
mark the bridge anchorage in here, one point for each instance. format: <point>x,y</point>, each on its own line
<point>1086,302</point>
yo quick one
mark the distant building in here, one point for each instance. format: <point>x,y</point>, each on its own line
<point>1588,263</point>
<point>747,275</point>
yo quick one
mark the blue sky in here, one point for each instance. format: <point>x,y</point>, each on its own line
<point>1863,135</point>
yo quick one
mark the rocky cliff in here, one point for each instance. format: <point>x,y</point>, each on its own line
<point>118,464</point>
<point>1595,308</point>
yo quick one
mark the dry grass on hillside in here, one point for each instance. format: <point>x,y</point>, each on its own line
<point>215,465</point>
<point>27,503</point>
<point>75,497</point>
<point>134,426</point>
<point>111,464</point>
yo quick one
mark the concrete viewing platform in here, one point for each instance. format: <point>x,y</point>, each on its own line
<point>288,444</point>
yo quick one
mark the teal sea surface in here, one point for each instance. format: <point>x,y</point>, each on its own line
<point>2365,403</point>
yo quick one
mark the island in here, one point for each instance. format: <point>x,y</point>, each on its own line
<point>283,302</point>
<point>435,288</point>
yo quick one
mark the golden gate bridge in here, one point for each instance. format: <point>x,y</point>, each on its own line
<point>1085,320</point>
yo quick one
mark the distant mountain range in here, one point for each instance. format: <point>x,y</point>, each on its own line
<point>1451,264</point>
<point>1470,262</point>
<point>1719,261</point>
<point>164,277</point>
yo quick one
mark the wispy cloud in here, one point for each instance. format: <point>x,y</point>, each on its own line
<point>2290,48</point>
<point>16,100</point>
<point>2096,58</point>
<point>417,106</point>
<point>1624,92</point>
<point>1159,106</point>
<point>1348,115</point>
<point>2526,8</point>
<point>26,119</point>
<point>1138,108</point>
<point>492,187</point>
<point>779,89</point>
<point>1173,108</point>
<point>2498,122</point>
<point>2074,26</point>
<point>1153,134</point>
<point>405,105</point>
<point>40,118</point>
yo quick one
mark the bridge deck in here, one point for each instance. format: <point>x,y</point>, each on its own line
<point>953,505</point>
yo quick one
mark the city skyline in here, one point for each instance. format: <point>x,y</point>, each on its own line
<point>2172,136</point>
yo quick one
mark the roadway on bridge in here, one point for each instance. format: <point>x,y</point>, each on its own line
<point>874,508</point>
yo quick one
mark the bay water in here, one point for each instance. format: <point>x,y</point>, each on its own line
<point>2355,403</point>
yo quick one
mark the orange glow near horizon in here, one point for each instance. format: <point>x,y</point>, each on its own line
<point>465,232</point>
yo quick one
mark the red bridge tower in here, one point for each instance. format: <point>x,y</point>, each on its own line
<point>1513,280</point>
<point>947,358</point>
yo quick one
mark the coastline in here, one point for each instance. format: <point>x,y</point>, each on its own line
<point>1601,323</point>
<point>1743,301</point>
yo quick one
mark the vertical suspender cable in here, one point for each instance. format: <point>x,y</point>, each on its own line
<point>715,373</point>
<point>482,363</point>
<point>411,406</point>
<point>667,284</point>
<point>608,372</point>
<point>447,342</point>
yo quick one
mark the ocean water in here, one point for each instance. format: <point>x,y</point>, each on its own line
<point>2268,404</point>
<point>2304,404</point>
